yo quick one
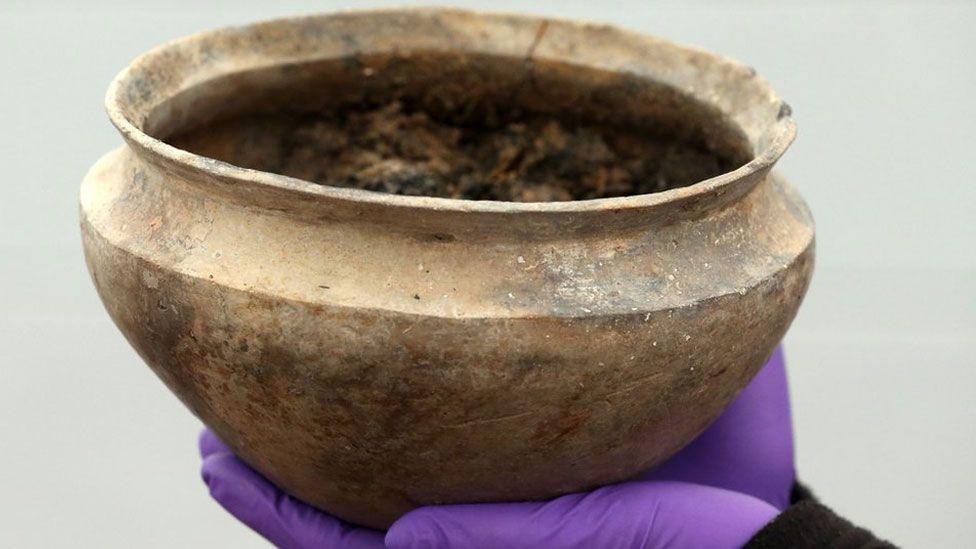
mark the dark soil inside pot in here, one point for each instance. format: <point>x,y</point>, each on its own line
<point>530,159</point>
<point>457,126</point>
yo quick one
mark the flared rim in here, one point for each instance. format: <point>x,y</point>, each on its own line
<point>781,135</point>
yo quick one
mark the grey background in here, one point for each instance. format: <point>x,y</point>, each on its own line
<point>94,452</point>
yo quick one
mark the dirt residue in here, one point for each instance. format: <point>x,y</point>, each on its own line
<point>530,159</point>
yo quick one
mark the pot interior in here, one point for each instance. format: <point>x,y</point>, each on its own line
<point>455,125</point>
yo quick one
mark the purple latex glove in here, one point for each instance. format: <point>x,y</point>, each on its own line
<point>717,492</point>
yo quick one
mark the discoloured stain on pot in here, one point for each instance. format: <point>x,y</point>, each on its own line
<point>371,353</point>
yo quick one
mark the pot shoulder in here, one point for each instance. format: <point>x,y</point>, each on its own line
<point>345,265</point>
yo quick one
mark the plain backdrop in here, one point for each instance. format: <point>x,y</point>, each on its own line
<point>95,452</point>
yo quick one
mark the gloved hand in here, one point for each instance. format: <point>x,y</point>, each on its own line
<point>717,492</point>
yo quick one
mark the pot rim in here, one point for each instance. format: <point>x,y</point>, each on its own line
<point>783,133</point>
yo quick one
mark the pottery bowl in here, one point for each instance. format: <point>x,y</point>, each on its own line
<point>370,352</point>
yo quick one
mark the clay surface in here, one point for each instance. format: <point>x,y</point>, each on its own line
<point>371,352</point>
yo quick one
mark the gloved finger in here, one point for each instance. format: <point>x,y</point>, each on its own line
<point>749,449</point>
<point>283,520</point>
<point>633,515</point>
<point>209,444</point>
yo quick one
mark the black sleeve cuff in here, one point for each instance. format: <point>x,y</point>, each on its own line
<point>808,523</point>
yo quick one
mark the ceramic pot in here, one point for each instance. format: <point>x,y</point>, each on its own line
<point>371,352</point>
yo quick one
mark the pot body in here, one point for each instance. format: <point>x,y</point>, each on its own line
<point>371,359</point>
<point>482,378</point>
